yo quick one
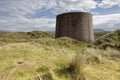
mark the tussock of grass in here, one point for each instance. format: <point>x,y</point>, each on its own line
<point>76,67</point>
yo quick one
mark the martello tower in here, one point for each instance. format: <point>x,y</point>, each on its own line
<point>77,25</point>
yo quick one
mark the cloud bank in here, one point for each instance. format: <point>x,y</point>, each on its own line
<point>109,3</point>
<point>107,22</point>
<point>17,15</point>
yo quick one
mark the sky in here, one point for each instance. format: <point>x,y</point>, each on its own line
<point>34,15</point>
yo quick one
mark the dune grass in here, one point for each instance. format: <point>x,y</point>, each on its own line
<point>45,58</point>
<point>109,39</point>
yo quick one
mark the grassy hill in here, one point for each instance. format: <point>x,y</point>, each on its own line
<point>108,39</point>
<point>38,56</point>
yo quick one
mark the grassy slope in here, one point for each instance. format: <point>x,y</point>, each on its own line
<point>37,55</point>
<point>110,39</point>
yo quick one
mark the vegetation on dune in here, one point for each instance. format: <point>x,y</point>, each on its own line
<point>12,37</point>
<point>38,56</point>
<point>110,39</point>
<point>99,34</point>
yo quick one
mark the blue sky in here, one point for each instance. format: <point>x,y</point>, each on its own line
<point>29,15</point>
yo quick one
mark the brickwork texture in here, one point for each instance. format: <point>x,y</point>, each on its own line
<point>76,25</point>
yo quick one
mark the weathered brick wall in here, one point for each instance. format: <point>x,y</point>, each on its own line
<point>77,25</point>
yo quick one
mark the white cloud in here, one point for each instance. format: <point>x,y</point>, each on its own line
<point>13,13</point>
<point>22,23</point>
<point>75,5</point>
<point>107,22</point>
<point>109,3</point>
<point>24,7</point>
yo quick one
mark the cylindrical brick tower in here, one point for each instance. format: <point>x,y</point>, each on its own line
<point>76,25</point>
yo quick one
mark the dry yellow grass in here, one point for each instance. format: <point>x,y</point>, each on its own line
<point>57,59</point>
